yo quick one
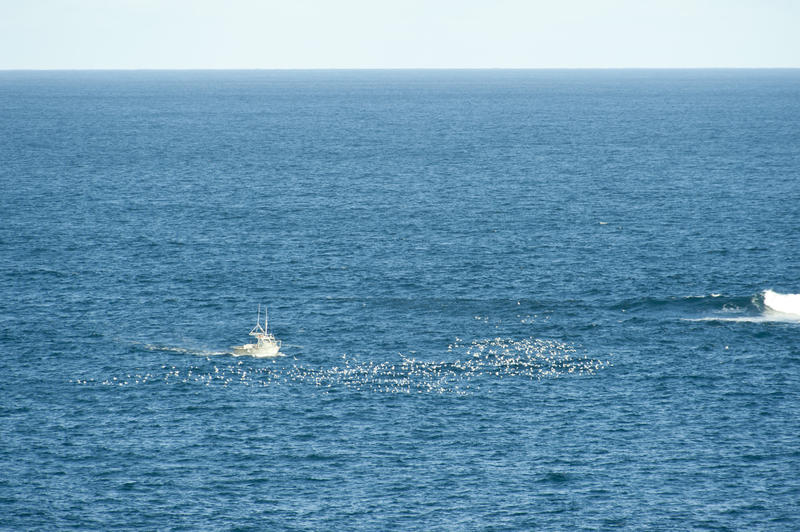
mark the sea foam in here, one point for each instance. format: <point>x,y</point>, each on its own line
<point>783,303</point>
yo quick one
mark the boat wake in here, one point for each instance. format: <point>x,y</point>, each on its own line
<point>208,352</point>
<point>185,351</point>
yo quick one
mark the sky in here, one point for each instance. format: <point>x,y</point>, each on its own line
<point>306,34</point>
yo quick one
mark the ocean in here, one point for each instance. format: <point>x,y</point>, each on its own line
<point>507,300</point>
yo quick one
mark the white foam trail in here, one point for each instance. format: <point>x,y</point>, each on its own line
<point>783,303</point>
<point>200,352</point>
<point>197,352</point>
<point>768,316</point>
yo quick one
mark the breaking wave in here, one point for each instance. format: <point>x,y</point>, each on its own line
<point>783,303</point>
<point>766,306</point>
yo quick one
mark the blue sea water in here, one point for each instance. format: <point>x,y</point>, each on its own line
<point>507,300</point>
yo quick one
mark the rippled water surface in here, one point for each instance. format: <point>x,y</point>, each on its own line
<point>507,300</point>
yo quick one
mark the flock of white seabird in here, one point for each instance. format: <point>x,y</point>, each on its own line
<point>478,362</point>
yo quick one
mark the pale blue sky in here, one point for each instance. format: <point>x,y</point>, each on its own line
<point>71,34</point>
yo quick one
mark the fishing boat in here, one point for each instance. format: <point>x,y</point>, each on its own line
<point>266,345</point>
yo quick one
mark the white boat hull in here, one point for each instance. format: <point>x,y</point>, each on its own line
<point>254,350</point>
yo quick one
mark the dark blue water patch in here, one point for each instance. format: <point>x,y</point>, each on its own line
<point>507,300</point>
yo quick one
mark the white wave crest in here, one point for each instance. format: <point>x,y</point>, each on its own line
<point>766,307</point>
<point>767,317</point>
<point>783,303</point>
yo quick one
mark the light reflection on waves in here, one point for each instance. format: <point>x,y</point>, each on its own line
<point>478,362</point>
